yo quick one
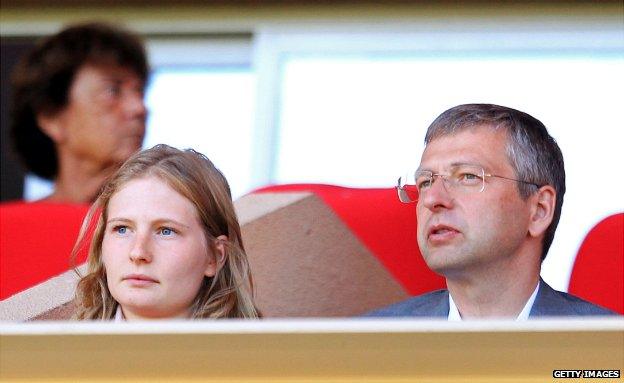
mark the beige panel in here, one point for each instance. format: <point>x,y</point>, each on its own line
<point>307,263</point>
<point>304,351</point>
<point>64,311</point>
<point>47,300</point>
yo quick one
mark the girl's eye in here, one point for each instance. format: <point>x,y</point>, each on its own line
<point>120,229</point>
<point>166,231</point>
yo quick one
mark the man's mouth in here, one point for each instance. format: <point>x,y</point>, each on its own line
<point>441,233</point>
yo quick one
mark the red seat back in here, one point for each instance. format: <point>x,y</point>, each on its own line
<point>36,240</point>
<point>598,273</point>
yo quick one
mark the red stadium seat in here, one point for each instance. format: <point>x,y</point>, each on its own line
<point>36,240</point>
<point>598,273</point>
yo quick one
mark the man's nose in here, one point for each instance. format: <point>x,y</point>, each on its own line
<point>437,196</point>
<point>140,251</point>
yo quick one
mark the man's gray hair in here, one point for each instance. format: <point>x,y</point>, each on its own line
<point>532,152</point>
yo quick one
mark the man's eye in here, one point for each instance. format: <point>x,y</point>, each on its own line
<point>423,184</point>
<point>468,178</point>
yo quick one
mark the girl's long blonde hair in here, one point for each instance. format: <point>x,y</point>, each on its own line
<point>229,294</point>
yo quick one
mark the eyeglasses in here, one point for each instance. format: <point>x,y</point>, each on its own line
<point>462,178</point>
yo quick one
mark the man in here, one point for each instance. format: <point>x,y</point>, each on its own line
<point>78,109</point>
<point>489,191</point>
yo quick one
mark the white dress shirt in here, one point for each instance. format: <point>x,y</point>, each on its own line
<point>455,316</point>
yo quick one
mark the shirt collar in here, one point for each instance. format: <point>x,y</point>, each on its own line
<point>524,314</point>
<point>119,317</point>
<point>455,316</point>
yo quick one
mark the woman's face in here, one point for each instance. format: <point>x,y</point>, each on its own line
<point>154,250</point>
<point>104,119</point>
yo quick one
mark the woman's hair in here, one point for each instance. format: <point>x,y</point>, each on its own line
<point>229,293</point>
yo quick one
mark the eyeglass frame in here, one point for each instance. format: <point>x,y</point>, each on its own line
<point>445,178</point>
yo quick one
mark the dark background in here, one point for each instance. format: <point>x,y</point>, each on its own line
<point>11,171</point>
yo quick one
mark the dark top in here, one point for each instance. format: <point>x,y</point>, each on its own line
<point>548,302</point>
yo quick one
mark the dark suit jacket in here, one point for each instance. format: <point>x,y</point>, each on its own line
<point>549,302</point>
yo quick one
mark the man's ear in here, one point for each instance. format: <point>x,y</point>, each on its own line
<point>218,256</point>
<point>542,210</point>
<point>52,126</point>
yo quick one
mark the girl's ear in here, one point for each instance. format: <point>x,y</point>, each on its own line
<point>218,257</point>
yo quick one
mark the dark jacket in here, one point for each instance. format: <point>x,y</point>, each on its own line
<point>549,302</point>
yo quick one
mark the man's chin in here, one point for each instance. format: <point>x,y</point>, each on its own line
<point>444,264</point>
<point>442,270</point>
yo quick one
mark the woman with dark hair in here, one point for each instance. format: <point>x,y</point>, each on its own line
<point>77,109</point>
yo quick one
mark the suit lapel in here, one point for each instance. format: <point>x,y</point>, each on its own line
<point>440,308</point>
<point>547,302</point>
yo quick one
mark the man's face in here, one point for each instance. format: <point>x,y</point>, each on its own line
<point>460,232</point>
<point>104,120</point>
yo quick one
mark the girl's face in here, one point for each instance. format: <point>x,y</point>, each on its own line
<point>154,250</point>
